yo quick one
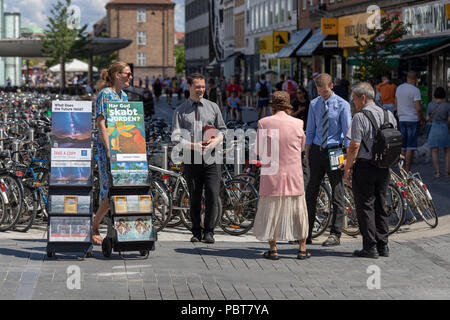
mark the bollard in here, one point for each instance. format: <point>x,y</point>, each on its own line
<point>165,150</point>
<point>15,148</point>
<point>31,134</point>
<point>2,136</point>
<point>237,158</point>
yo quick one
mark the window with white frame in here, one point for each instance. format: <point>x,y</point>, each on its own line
<point>141,15</point>
<point>266,14</point>
<point>277,12</point>
<point>141,59</point>
<point>270,13</point>
<point>282,11</point>
<point>141,38</point>
<point>304,5</point>
<point>261,16</point>
<point>310,3</point>
<point>289,10</point>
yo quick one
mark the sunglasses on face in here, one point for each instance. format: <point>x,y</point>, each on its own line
<point>129,74</point>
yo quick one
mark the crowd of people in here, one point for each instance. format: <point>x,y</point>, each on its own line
<point>312,126</point>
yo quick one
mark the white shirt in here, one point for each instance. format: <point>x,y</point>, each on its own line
<point>406,95</point>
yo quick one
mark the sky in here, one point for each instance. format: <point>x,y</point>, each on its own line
<point>35,12</point>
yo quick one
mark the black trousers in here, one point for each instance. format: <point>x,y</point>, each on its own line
<point>203,177</point>
<point>319,164</point>
<point>369,191</point>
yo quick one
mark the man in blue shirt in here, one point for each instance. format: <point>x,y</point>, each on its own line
<point>329,118</point>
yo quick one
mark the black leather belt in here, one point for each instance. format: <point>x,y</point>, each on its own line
<point>361,160</point>
<point>315,146</point>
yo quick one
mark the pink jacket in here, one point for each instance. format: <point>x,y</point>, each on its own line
<point>283,175</point>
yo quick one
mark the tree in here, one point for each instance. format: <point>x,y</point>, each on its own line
<point>378,48</point>
<point>61,40</point>
<point>179,56</point>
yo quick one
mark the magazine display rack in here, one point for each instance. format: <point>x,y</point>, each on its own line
<point>130,219</point>
<point>69,227</point>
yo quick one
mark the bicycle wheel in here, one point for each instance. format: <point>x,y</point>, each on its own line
<point>424,206</point>
<point>162,205</point>
<point>240,207</point>
<point>185,214</point>
<point>13,191</point>
<point>395,207</point>
<point>323,211</point>
<point>28,211</point>
<point>351,225</point>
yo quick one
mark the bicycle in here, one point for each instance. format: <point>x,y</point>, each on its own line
<point>418,197</point>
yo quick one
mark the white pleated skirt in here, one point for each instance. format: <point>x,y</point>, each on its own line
<point>281,218</point>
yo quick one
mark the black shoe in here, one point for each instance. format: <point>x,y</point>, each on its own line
<point>366,254</point>
<point>196,239</point>
<point>332,241</point>
<point>208,238</point>
<point>383,251</point>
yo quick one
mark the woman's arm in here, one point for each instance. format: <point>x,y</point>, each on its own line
<point>101,125</point>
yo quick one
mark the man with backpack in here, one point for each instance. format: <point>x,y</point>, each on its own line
<point>263,90</point>
<point>375,146</point>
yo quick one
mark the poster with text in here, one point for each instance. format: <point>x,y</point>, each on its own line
<point>73,229</point>
<point>71,143</point>
<point>126,134</point>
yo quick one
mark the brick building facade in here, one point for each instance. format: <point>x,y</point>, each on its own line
<point>150,24</point>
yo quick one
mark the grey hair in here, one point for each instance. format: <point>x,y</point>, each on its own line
<point>365,89</point>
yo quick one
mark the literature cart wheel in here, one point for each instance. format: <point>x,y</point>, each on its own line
<point>50,254</point>
<point>89,255</point>
<point>144,253</point>
<point>107,247</point>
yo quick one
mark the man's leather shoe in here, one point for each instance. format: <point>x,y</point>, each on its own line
<point>196,239</point>
<point>383,251</point>
<point>366,254</point>
<point>331,241</point>
<point>208,238</point>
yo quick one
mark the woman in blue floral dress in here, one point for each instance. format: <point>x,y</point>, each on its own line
<point>111,83</point>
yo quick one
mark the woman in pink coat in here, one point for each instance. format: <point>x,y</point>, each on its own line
<point>282,214</point>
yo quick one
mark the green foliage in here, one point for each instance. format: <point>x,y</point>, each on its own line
<point>377,48</point>
<point>60,42</point>
<point>181,64</point>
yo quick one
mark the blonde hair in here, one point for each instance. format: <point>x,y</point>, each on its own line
<point>107,75</point>
<point>323,79</point>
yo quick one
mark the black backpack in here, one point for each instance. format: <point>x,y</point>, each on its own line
<point>263,92</point>
<point>387,143</point>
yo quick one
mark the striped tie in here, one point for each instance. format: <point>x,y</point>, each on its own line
<point>325,123</point>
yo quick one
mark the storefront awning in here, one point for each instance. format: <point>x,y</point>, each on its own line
<point>408,48</point>
<point>296,40</point>
<point>312,44</point>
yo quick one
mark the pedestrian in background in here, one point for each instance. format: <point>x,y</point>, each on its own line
<point>157,88</point>
<point>290,86</point>
<point>369,182</point>
<point>311,86</point>
<point>329,118</point>
<point>439,136</point>
<point>279,85</point>
<point>301,106</point>
<point>387,90</point>
<point>263,91</point>
<point>212,91</point>
<point>282,214</point>
<point>408,103</point>
<point>233,105</point>
<point>340,89</point>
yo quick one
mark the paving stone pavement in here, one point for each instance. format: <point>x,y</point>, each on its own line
<point>227,270</point>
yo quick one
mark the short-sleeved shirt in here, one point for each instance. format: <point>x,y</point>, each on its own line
<point>233,87</point>
<point>439,111</point>
<point>260,84</point>
<point>361,129</point>
<point>406,95</point>
<point>234,102</point>
<point>387,92</point>
<point>184,118</point>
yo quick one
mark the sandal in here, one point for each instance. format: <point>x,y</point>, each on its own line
<point>437,175</point>
<point>271,255</point>
<point>303,255</point>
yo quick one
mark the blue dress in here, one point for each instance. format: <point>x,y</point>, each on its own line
<point>106,95</point>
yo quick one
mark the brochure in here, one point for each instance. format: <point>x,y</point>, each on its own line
<point>120,204</point>
<point>135,229</point>
<point>70,229</point>
<point>145,204</point>
<point>70,204</point>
